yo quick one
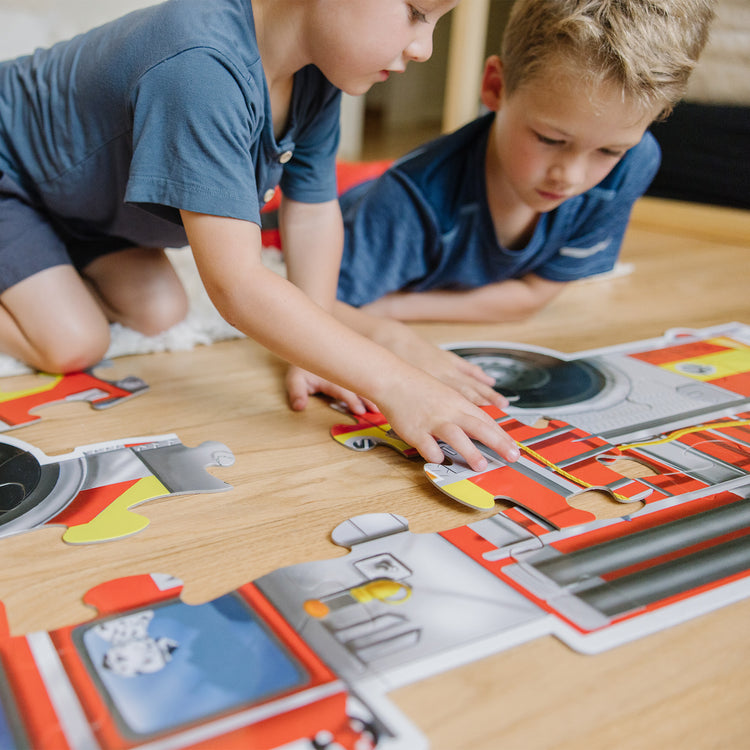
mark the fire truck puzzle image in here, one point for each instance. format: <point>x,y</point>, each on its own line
<point>92,490</point>
<point>303,658</point>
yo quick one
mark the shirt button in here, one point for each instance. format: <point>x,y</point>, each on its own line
<point>269,194</point>
<point>285,157</point>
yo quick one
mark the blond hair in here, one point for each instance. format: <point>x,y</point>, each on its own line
<point>647,47</point>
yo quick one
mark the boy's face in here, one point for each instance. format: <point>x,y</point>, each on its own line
<point>357,43</point>
<point>553,140</point>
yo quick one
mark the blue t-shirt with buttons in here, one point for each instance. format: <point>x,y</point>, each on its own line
<point>426,224</point>
<point>114,131</point>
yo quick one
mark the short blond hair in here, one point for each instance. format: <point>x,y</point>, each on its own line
<point>647,47</point>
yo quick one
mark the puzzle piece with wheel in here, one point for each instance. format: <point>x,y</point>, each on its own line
<point>93,489</point>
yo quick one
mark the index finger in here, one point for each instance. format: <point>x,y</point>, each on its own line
<point>454,436</point>
<point>484,429</point>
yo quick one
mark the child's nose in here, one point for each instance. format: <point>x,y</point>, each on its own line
<point>420,48</point>
<point>568,170</point>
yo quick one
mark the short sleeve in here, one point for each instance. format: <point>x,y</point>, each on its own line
<point>195,133</point>
<point>310,175</point>
<point>388,240</point>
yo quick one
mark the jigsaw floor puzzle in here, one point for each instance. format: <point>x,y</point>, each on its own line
<point>305,656</point>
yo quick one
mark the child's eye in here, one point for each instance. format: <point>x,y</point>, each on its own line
<point>416,15</point>
<point>548,141</point>
<point>612,153</point>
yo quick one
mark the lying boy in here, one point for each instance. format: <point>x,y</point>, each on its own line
<point>490,222</point>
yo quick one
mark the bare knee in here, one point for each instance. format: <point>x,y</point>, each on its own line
<point>159,312</point>
<point>138,288</point>
<point>78,349</point>
<point>52,323</point>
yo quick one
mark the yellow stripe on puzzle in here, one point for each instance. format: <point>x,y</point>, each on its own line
<point>117,520</point>
<point>468,493</point>
<point>378,434</point>
<point>677,434</point>
<point>719,364</point>
<point>47,386</point>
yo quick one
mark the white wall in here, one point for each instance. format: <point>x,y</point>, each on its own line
<point>26,24</point>
<point>723,74</point>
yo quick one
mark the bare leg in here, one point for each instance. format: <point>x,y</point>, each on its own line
<point>51,322</point>
<point>138,287</point>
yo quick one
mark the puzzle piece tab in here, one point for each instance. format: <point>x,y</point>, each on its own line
<point>371,429</point>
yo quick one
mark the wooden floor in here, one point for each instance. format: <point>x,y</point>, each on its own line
<point>686,687</point>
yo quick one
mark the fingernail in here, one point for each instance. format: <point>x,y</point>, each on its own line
<point>514,453</point>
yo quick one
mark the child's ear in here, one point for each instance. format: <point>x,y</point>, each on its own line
<point>492,83</point>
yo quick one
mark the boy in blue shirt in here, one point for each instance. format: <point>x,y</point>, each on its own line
<point>173,124</point>
<point>490,222</point>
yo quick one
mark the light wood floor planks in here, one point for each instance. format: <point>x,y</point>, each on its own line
<point>686,687</point>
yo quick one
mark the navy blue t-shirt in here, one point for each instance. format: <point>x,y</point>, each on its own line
<point>426,224</point>
<point>166,108</point>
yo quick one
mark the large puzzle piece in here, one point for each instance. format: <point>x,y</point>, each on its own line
<point>93,489</point>
<point>152,671</point>
<point>402,606</point>
<point>16,406</point>
<point>677,406</point>
<point>321,643</point>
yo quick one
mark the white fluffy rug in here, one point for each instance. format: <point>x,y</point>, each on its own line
<point>203,324</point>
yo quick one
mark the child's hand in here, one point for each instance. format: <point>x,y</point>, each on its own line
<point>469,380</point>
<point>437,413</point>
<point>440,413</point>
<point>301,384</point>
<point>466,378</point>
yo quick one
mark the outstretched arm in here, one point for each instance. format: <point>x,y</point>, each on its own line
<point>468,379</point>
<point>283,318</point>
<point>313,240</point>
<point>500,302</point>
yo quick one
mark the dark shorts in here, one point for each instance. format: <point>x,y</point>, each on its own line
<point>30,242</point>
